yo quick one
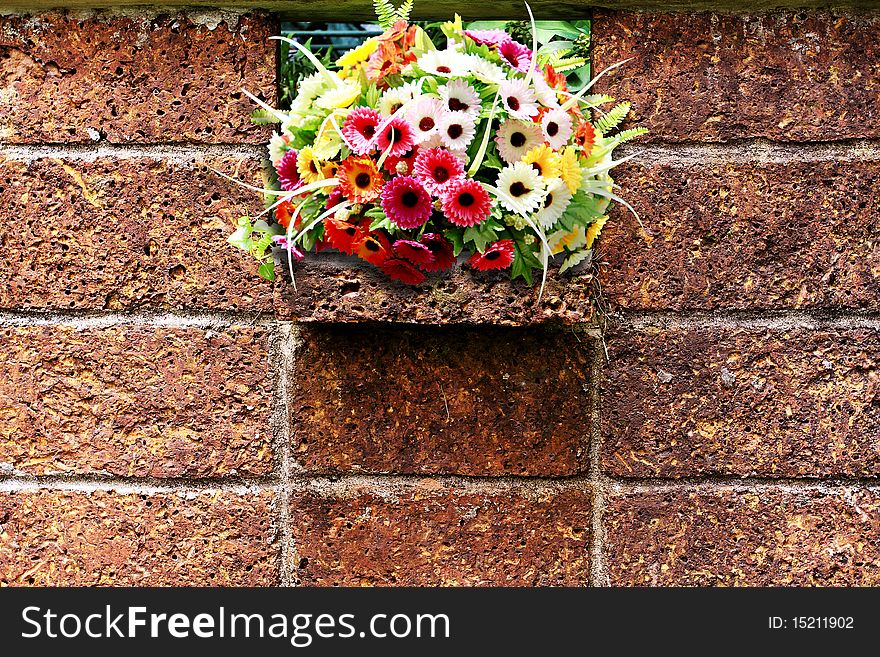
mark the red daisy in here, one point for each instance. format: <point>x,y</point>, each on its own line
<point>498,256</point>
<point>374,248</point>
<point>438,170</point>
<point>360,128</point>
<point>288,176</point>
<point>441,249</point>
<point>416,253</point>
<point>392,163</point>
<point>397,135</point>
<point>342,235</point>
<point>283,213</point>
<point>399,269</point>
<point>406,202</point>
<point>466,202</point>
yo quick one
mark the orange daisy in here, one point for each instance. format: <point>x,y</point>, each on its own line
<point>360,180</point>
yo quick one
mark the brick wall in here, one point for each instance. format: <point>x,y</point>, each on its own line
<point>167,418</point>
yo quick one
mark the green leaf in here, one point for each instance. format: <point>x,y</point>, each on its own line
<point>482,234</point>
<point>456,236</point>
<point>524,261</point>
<point>267,270</point>
<point>492,161</point>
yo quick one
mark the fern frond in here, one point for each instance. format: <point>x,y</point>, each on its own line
<point>386,13</point>
<point>594,100</point>
<point>613,118</point>
<point>405,10</point>
<point>566,64</point>
<point>623,137</point>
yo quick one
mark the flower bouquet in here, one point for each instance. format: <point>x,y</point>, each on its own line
<point>414,156</point>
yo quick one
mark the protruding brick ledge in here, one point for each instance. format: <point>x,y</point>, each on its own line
<point>458,400</point>
<point>334,289</point>
<point>705,536</point>
<point>434,533</point>
<point>51,537</point>
<point>139,401</point>
<point>143,77</point>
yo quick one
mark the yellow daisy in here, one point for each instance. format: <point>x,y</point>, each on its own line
<point>544,160</point>
<point>309,166</point>
<point>594,230</point>
<point>570,169</point>
<point>359,55</point>
<point>565,239</point>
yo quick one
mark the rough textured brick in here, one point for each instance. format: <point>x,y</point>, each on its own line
<point>739,538</point>
<point>136,78</point>
<point>136,401</point>
<point>330,289</point>
<point>104,538</point>
<point>105,233</point>
<point>796,402</point>
<point>706,77</point>
<point>746,235</point>
<point>426,534</point>
<point>484,401</point>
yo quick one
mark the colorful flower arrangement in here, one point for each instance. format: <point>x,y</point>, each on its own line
<point>413,157</point>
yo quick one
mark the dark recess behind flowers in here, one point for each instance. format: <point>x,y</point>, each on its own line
<point>165,418</point>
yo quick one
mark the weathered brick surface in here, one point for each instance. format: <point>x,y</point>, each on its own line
<point>484,401</point>
<point>429,535</point>
<point>729,538</point>
<point>789,403</point>
<point>330,289</point>
<point>135,401</point>
<point>745,236</point>
<point>118,234</point>
<point>704,77</point>
<point>58,538</point>
<point>134,79</point>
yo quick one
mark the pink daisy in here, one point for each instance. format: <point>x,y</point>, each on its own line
<point>466,202</point>
<point>441,249</point>
<point>556,125</point>
<point>424,117</point>
<point>396,135</point>
<point>515,55</point>
<point>488,37</point>
<point>417,253</point>
<point>406,202</point>
<point>497,256</point>
<point>288,176</point>
<point>360,128</point>
<point>437,169</point>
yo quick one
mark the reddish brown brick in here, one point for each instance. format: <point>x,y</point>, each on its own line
<point>135,401</point>
<point>425,534</point>
<point>330,289</point>
<point>753,235</point>
<point>790,403</point>
<point>769,537</point>
<point>705,77</point>
<point>469,401</point>
<point>104,538</point>
<point>134,79</point>
<point>124,233</point>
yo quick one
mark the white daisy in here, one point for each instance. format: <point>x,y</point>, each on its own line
<point>519,99</point>
<point>522,188</point>
<point>556,125</point>
<point>311,86</point>
<point>393,99</point>
<point>487,72</point>
<point>444,63</point>
<point>516,138</point>
<point>457,130</point>
<point>458,96</point>
<point>424,115</point>
<point>555,203</point>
